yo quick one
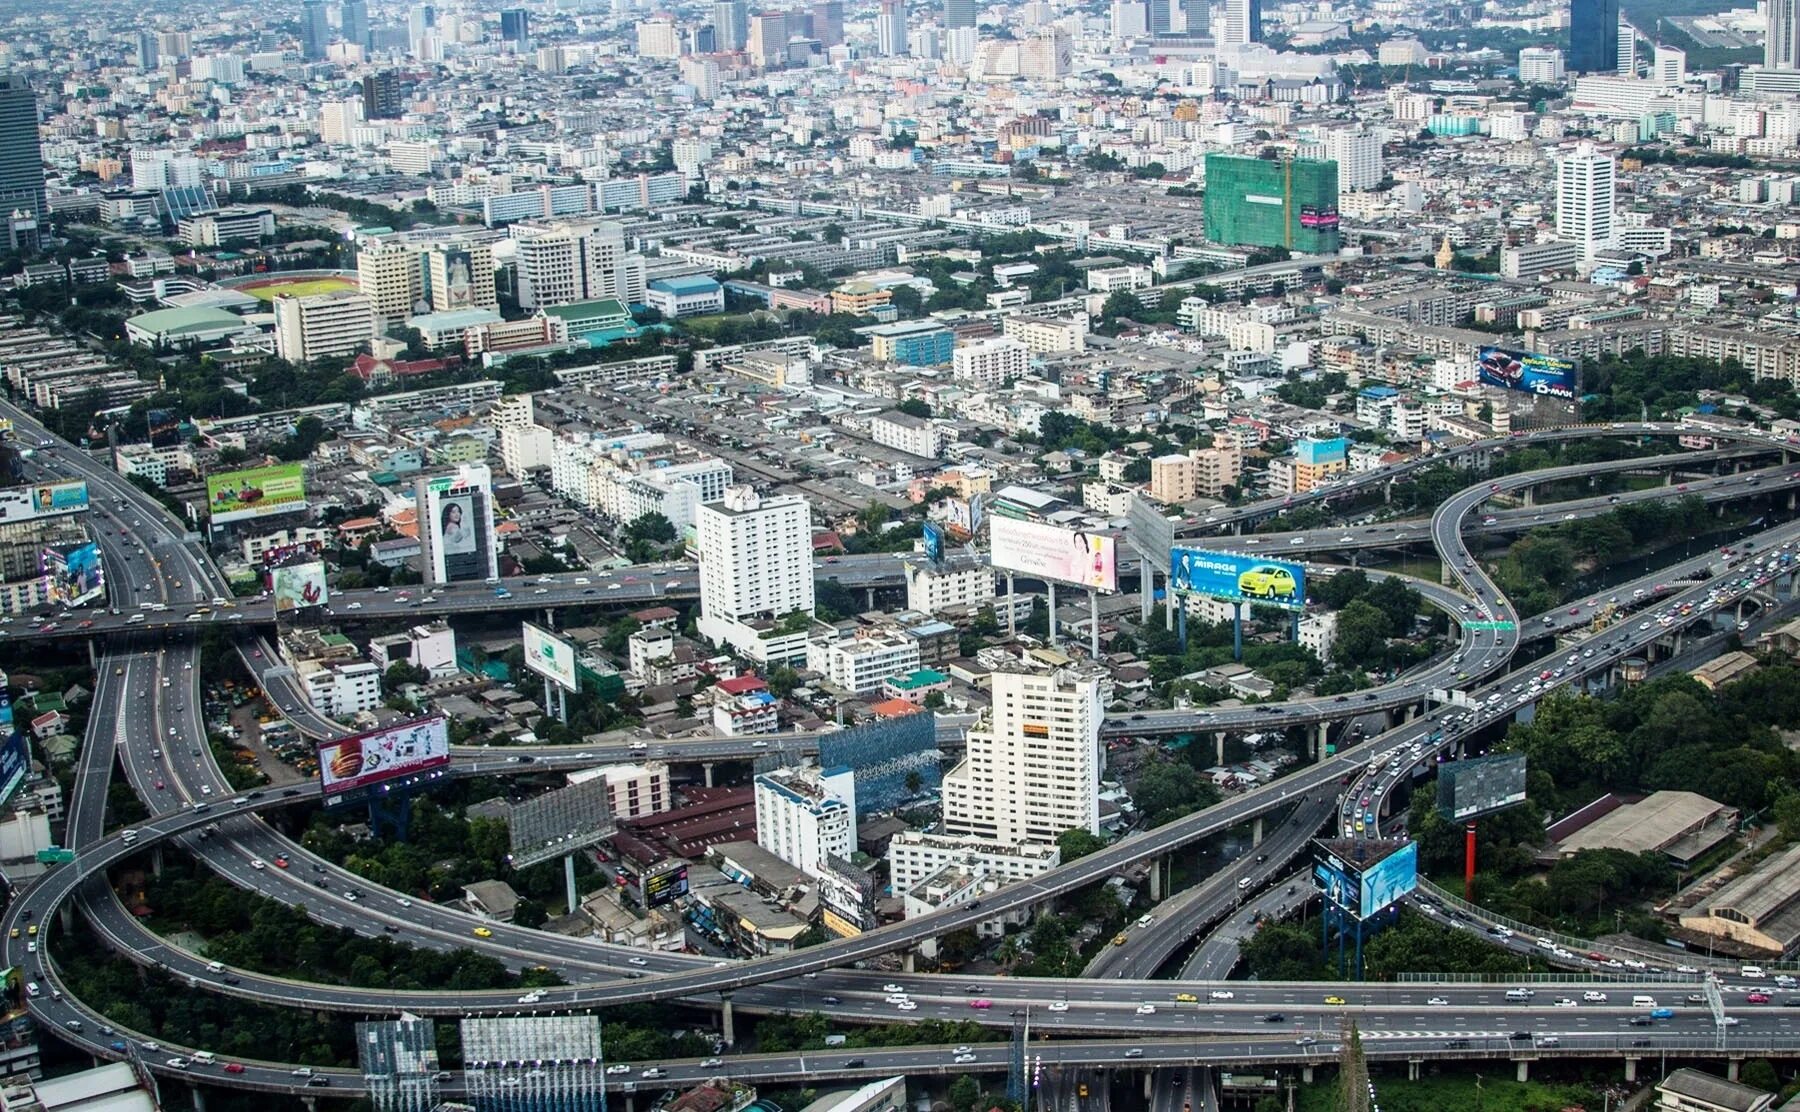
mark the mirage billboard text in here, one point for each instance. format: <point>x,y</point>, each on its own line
<point>1233,578</point>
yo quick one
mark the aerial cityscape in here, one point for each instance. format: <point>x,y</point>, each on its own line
<point>887,556</point>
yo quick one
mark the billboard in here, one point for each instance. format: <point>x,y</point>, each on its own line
<point>353,768</point>
<point>1233,578</point>
<point>549,656</point>
<point>72,577</point>
<point>1318,216</point>
<point>934,543</point>
<point>1052,552</point>
<point>15,762</point>
<point>1480,786</point>
<point>280,555</point>
<point>662,883</point>
<point>296,586</point>
<point>256,492</point>
<point>1528,371</point>
<point>28,503</point>
<point>1388,881</point>
<point>456,521</point>
<point>561,822</point>
<point>1339,884</point>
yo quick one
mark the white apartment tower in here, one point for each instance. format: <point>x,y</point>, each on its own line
<point>323,326</point>
<point>1542,65</point>
<point>756,566</point>
<point>990,362</point>
<point>388,274</point>
<point>804,815</point>
<point>1032,769</point>
<point>576,261</point>
<point>1781,49</point>
<point>1584,200</point>
<point>1358,157</point>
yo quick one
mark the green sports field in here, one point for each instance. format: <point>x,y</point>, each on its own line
<point>300,287</point>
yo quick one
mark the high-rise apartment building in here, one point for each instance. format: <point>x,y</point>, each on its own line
<point>353,22</point>
<point>1627,57</point>
<point>804,815</point>
<point>1290,203</point>
<point>890,28</point>
<point>990,362</point>
<point>381,95</point>
<point>658,37</point>
<point>731,25</point>
<point>756,572</point>
<point>315,31</point>
<point>1781,47</point>
<point>515,29</point>
<point>1594,36</point>
<point>460,276</point>
<point>146,54</point>
<point>959,13</point>
<point>21,156</point>
<point>1358,157</point>
<point>576,261</point>
<point>1584,199</point>
<point>1130,19</point>
<point>1243,23</point>
<point>387,273</point>
<point>323,326</point>
<point>1046,54</point>
<point>1032,768</point>
<point>1541,65</point>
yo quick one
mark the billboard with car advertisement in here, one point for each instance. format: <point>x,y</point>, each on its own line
<point>382,761</point>
<point>1052,552</point>
<point>549,656</point>
<point>1528,371</point>
<point>72,576</point>
<point>1233,578</point>
<point>297,586</point>
<point>255,492</point>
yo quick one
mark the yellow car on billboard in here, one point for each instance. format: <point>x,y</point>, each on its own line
<point>1267,581</point>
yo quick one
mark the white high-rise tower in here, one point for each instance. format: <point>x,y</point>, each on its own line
<point>756,569</point>
<point>1032,769</point>
<point>1584,200</point>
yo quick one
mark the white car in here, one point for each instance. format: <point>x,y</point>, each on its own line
<point>1221,994</point>
<point>907,1006</point>
<point>257,864</point>
<point>1564,1002</point>
<point>1059,1005</point>
<point>1146,1009</point>
<point>616,1070</point>
<point>893,988</point>
<point>711,1063</point>
<point>963,1058</point>
<point>1594,997</point>
<point>636,961</point>
<point>897,998</point>
<point>1438,1002</point>
<point>354,606</point>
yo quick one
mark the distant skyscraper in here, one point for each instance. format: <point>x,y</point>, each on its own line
<point>1584,200</point>
<point>959,13</point>
<point>1130,19</point>
<point>828,22</point>
<point>890,29</point>
<point>1781,50</point>
<point>21,159</point>
<point>1158,21</point>
<point>315,32</point>
<point>1243,22</point>
<point>1198,14</point>
<point>147,54</point>
<point>768,39</point>
<point>1628,49</point>
<point>731,24</point>
<point>515,28</point>
<point>353,20</point>
<point>422,18</point>
<point>381,95</point>
<point>703,40</point>
<point>1594,36</point>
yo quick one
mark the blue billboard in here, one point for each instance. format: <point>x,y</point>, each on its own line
<point>934,543</point>
<point>1340,887</point>
<point>882,753</point>
<point>1528,371</point>
<point>15,762</point>
<point>1387,882</point>
<point>1223,575</point>
<point>1322,453</point>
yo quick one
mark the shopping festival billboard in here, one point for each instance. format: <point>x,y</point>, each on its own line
<point>1528,371</point>
<point>352,769</point>
<point>73,576</point>
<point>297,586</point>
<point>255,492</point>
<point>549,656</point>
<point>1386,882</point>
<point>1052,552</point>
<point>1233,578</point>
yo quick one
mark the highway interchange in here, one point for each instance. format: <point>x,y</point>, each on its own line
<point>184,768</point>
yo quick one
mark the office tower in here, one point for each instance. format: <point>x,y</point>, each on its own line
<point>1032,767</point>
<point>21,157</point>
<point>767,44</point>
<point>1781,49</point>
<point>381,95</point>
<point>1594,36</point>
<point>1159,18</point>
<point>828,22</point>
<point>146,55</point>
<point>1197,15</point>
<point>323,326</point>
<point>1358,157</point>
<point>1628,49</point>
<point>1584,200</point>
<point>1130,19</point>
<point>890,29</point>
<point>420,19</point>
<point>315,32</point>
<point>702,40</point>
<point>388,275</point>
<point>561,262</point>
<point>1669,67</point>
<point>959,13</point>
<point>515,29</point>
<point>731,25</point>
<point>1541,65</point>
<point>804,815</point>
<point>756,573</point>
<point>353,21</point>
<point>1243,23</point>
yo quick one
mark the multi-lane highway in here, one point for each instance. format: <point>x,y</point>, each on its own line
<point>1100,1007</point>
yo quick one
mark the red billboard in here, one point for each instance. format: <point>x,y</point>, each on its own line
<point>380,761</point>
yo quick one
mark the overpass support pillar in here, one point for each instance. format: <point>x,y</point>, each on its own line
<point>1631,1069</point>
<point>706,770</point>
<point>1412,1068</point>
<point>1524,1071</point>
<point>728,1028</point>
<point>1306,1075</point>
<point>65,915</point>
<point>1256,831</point>
<point>94,650</point>
<point>630,1102</point>
<point>1050,627</point>
<point>199,1100</point>
<point>1321,735</point>
<point>311,1103</point>
<point>1156,879</point>
<point>1387,491</point>
<point>1530,497</point>
<point>1147,590</point>
<point>1790,501</point>
<point>156,861</point>
<point>869,593</point>
<point>1149,1081</point>
<point>1219,748</point>
<point>1731,1068</point>
<point>909,961</point>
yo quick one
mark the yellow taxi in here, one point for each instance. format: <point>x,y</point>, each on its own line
<point>483,932</point>
<point>1186,998</point>
<point>1337,1001</point>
